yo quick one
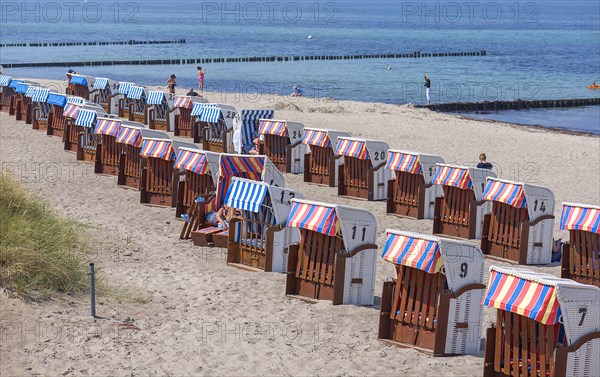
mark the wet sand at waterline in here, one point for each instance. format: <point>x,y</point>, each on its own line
<point>182,311</point>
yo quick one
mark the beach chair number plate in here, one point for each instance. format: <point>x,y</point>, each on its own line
<point>291,195</point>
<point>364,231</point>
<point>542,206</point>
<point>464,267</point>
<point>583,312</point>
<point>379,156</point>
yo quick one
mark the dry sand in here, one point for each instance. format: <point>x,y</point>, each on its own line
<point>187,313</point>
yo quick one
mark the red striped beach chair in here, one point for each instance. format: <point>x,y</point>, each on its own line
<point>521,224</point>
<point>434,303</point>
<point>184,121</point>
<point>108,150</point>
<point>581,255</point>
<point>321,164</point>
<point>79,86</point>
<point>199,176</point>
<point>129,143</point>
<point>7,90</point>
<point>40,109</point>
<point>214,129</point>
<point>461,209</point>
<point>79,130</point>
<point>283,144</point>
<point>363,174</point>
<point>411,193</point>
<point>246,125</point>
<point>545,326</point>
<point>258,238</point>
<point>336,257</point>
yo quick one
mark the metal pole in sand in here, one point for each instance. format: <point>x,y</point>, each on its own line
<point>92,291</point>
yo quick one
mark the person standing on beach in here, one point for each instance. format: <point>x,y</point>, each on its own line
<point>201,78</point>
<point>483,164</point>
<point>172,83</point>
<point>427,86</point>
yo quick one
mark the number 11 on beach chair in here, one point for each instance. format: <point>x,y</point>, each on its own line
<point>336,257</point>
<point>581,255</point>
<point>412,192</point>
<point>6,92</point>
<point>545,326</point>
<point>521,224</point>
<point>283,144</point>
<point>363,174</point>
<point>320,162</point>
<point>434,304</point>
<point>259,238</point>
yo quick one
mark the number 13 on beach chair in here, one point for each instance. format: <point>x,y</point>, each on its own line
<point>545,326</point>
<point>412,193</point>
<point>521,224</point>
<point>434,304</point>
<point>336,257</point>
<point>363,173</point>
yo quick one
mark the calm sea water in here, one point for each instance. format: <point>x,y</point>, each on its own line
<point>536,49</point>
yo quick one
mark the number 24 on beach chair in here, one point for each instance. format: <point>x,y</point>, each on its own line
<point>336,257</point>
<point>363,174</point>
<point>545,326</point>
<point>320,162</point>
<point>259,239</point>
<point>460,211</point>
<point>434,304</point>
<point>521,224</point>
<point>581,255</point>
<point>283,144</point>
<point>412,193</point>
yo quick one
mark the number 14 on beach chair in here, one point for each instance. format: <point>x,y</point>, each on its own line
<point>545,326</point>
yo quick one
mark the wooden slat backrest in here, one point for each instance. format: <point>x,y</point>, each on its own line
<point>185,119</point>
<point>455,205</point>
<point>79,91</point>
<point>160,174</point>
<point>139,106</point>
<point>25,104</point>
<point>276,148</point>
<point>356,172</point>
<point>525,347</point>
<point>316,257</point>
<point>406,189</point>
<point>110,151</point>
<point>132,160</point>
<point>58,119</point>
<point>89,141</point>
<point>505,224</point>
<point>7,92</point>
<point>320,158</point>
<point>584,256</point>
<point>215,130</point>
<point>195,184</point>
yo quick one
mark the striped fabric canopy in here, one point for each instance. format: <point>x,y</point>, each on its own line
<point>210,114</point>
<point>318,138</point>
<point>162,149</point>
<point>198,108</point>
<point>246,195</point>
<point>14,83</point>
<point>406,250</point>
<point>250,123</point>
<point>130,136</point>
<point>75,99</point>
<point>352,148</point>
<point>273,127</point>
<point>184,102</point>
<point>100,83</point>
<point>505,192</point>
<point>56,99</point>
<point>22,88</point>
<point>404,162</point>
<point>110,127</point>
<point>192,160</point>
<point>78,80</point>
<point>580,217</point>
<point>5,80</point>
<point>233,166</point>
<point>155,97</point>
<point>85,118</point>
<point>40,95</point>
<point>135,92</point>
<point>523,296</point>
<point>71,110</point>
<point>316,217</point>
<point>454,176</point>
<point>124,87</point>
<point>31,91</point>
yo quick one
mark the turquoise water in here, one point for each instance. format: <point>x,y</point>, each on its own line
<point>536,50</point>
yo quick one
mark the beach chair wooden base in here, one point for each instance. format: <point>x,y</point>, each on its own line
<point>56,123</point>
<point>204,235</point>
<point>581,258</point>
<point>158,183</point>
<point>28,113</point>
<point>319,166</point>
<point>129,175</point>
<point>87,154</point>
<point>455,220</point>
<point>406,196</point>
<point>201,135</point>
<point>40,124</point>
<point>106,163</point>
<point>221,239</point>
<point>70,137</point>
<point>159,124</point>
<point>183,123</point>
<point>356,179</point>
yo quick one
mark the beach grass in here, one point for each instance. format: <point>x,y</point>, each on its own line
<point>41,253</point>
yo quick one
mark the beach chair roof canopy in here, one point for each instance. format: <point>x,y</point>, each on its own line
<point>85,118</point>
<point>322,138</point>
<point>362,149</point>
<point>40,95</point>
<point>546,299</point>
<point>577,216</point>
<point>100,83</point>
<point>14,83</point>
<point>155,97</point>
<point>520,195</point>
<point>5,80</point>
<point>462,177</point>
<point>183,102</point>
<point>282,128</point>
<point>22,87</point>
<point>124,87</point>
<point>79,80</point>
<point>157,148</point>
<point>108,126</point>
<point>135,92</point>
<point>413,163</point>
<point>56,99</point>
<point>130,133</point>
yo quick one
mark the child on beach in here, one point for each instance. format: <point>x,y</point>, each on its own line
<point>297,92</point>
<point>427,86</point>
<point>201,78</point>
<point>171,84</point>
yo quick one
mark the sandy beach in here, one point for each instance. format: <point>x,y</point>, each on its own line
<point>179,310</point>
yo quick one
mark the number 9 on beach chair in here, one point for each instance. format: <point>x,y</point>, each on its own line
<point>199,176</point>
<point>521,224</point>
<point>434,305</point>
<point>6,92</point>
<point>215,126</point>
<point>56,118</point>
<point>283,144</point>
<point>184,121</point>
<point>335,259</point>
<point>320,161</point>
<point>412,193</point>
<point>459,213</point>
<point>259,239</point>
<point>363,174</point>
<point>581,255</point>
<point>79,86</point>
<point>40,109</point>
<point>545,326</point>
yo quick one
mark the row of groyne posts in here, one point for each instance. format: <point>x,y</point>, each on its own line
<point>97,43</point>
<point>511,105</point>
<point>252,59</point>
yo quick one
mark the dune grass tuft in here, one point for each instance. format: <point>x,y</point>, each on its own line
<point>41,253</point>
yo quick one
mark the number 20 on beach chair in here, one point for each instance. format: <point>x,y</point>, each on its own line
<point>434,304</point>
<point>581,255</point>
<point>545,326</point>
<point>320,162</point>
<point>336,257</point>
<point>460,211</point>
<point>521,224</point>
<point>412,192</point>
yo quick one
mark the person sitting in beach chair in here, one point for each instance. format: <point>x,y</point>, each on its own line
<point>221,217</point>
<point>254,148</point>
<point>192,93</point>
